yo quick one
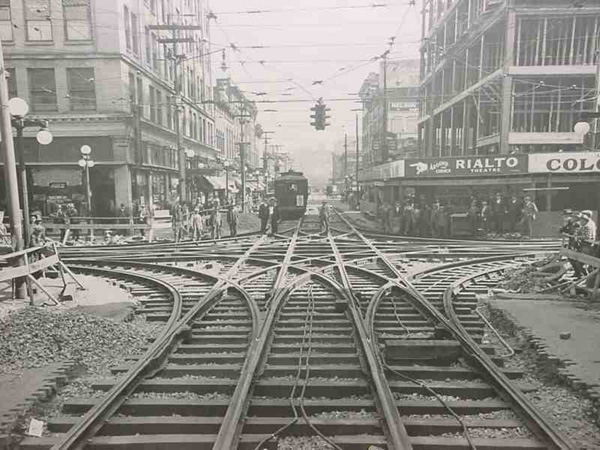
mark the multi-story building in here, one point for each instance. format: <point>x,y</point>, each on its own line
<point>104,74</point>
<point>343,165</point>
<point>501,76</point>
<point>401,79</point>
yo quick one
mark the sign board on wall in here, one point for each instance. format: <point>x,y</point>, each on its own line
<point>469,165</point>
<point>579,163</point>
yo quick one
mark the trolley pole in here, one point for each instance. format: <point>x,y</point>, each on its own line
<point>10,173</point>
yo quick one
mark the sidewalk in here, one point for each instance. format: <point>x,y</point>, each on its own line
<point>576,359</point>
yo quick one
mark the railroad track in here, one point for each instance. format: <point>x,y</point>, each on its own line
<point>345,339</point>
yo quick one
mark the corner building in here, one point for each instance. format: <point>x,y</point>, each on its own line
<point>102,76</point>
<point>509,77</point>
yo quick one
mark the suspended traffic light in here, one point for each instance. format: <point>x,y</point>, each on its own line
<point>319,116</point>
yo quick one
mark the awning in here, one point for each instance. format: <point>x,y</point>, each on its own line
<point>217,183</point>
<point>255,186</point>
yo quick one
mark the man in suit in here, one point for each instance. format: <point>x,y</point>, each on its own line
<point>514,209</point>
<point>263,215</point>
<point>499,211</point>
<point>274,216</point>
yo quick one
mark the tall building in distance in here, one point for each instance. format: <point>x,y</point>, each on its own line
<point>131,79</point>
<point>401,81</point>
<point>502,76</point>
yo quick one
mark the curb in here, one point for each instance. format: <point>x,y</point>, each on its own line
<point>546,360</point>
<point>43,393</point>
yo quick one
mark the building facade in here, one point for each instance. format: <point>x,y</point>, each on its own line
<point>401,79</point>
<point>109,74</point>
<point>501,76</point>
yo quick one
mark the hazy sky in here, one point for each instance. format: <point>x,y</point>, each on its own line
<point>304,42</point>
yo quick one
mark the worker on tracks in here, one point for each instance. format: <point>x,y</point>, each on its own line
<point>216,221</point>
<point>324,217</point>
<point>263,215</point>
<point>232,219</point>
<point>197,225</point>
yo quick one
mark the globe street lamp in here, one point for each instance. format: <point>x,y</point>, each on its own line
<point>86,162</point>
<point>18,109</point>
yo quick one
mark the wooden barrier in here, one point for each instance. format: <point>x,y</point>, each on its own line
<point>594,275</point>
<point>32,261</point>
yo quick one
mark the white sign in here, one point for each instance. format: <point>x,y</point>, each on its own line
<point>580,162</point>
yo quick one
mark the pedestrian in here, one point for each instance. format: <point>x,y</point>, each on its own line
<point>486,216</point>
<point>232,219</point>
<point>324,217</point>
<point>274,216</point>
<point>177,222</point>
<point>570,230</point>
<point>473,216</point>
<point>38,233</point>
<point>216,221</point>
<point>123,214</point>
<point>588,226</point>
<point>514,211</point>
<point>197,225</point>
<point>71,214</point>
<point>530,212</point>
<point>263,215</point>
<point>499,212</point>
<point>60,218</point>
<point>438,224</point>
<point>407,217</point>
<point>423,224</point>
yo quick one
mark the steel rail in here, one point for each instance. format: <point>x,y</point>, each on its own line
<point>532,416</point>
<point>229,432</point>
<point>542,428</point>
<point>78,435</point>
<point>395,427</point>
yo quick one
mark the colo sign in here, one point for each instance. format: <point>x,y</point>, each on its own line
<point>470,165</point>
<point>581,162</point>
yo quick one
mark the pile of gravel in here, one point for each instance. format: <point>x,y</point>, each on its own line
<point>36,337</point>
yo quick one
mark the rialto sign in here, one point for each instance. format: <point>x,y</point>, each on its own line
<point>580,162</point>
<point>471,165</point>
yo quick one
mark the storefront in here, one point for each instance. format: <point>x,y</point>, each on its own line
<point>555,181</point>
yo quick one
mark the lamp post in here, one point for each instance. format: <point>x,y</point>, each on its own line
<point>18,109</point>
<point>86,163</point>
<point>226,164</point>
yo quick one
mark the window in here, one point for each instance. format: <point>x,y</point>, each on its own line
<point>37,20</point>
<point>148,46</point>
<point>132,96</point>
<point>159,107</point>
<point>42,89</point>
<point>169,112</point>
<point>135,38</point>
<point>11,81</point>
<point>140,96</point>
<point>82,89</point>
<point>126,18</point>
<point>6,26</point>
<point>78,25</point>
<point>152,104</point>
<point>155,58</point>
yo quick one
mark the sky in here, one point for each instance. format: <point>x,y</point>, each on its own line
<point>334,42</point>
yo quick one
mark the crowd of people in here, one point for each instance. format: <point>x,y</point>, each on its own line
<point>203,221</point>
<point>497,216</point>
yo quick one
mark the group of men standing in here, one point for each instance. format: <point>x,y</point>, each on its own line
<point>268,213</point>
<point>500,215</point>
<point>581,232</point>
<point>200,221</point>
<point>416,218</point>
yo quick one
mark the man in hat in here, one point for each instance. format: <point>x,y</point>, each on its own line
<point>568,227</point>
<point>274,216</point>
<point>499,211</point>
<point>232,219</point>
<point>324,217</point>
<point>514,210</point>
<point>588,226</point>
<point>530,212</point>
<point>38,233</point>
<point>263,215</point>
<point>197,224</point>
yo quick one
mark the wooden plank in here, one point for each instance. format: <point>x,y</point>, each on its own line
<point>581,257</point>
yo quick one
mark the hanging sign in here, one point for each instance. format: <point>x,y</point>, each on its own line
<point>576,162</point>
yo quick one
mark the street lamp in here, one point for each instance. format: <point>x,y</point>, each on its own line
<point>226,164</point>
<point>18,109</point>
<point>86,162</point>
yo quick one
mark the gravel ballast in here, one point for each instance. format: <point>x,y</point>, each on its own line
<point>35,337</point>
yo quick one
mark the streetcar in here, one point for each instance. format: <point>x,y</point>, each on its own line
<point>291,192</point>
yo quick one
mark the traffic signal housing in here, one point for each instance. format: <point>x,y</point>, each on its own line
<point>319,116</point>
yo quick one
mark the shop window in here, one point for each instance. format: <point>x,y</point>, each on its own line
<point>82,89</point>
<point>77,19</point>
<point>42,90</point>
<point>6,26</point>
<point>38,22</point>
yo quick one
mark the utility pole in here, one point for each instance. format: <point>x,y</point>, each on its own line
<point>10,172</point>
<point>345,154</point>
<point>357,189</point>
<point>266,157</point>
<point>175,40</point>
<point>384,146</point>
